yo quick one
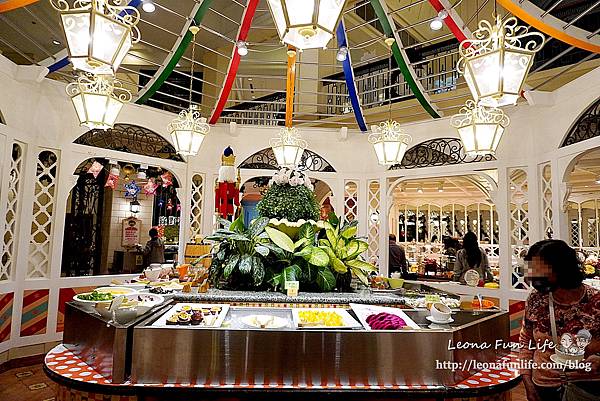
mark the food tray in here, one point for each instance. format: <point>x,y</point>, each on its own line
<point>363,311</point>
<point>162,321</point>
<point>237,314</point>
<point>349,321</point>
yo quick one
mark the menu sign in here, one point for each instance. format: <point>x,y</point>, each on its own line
<point>131,232</point>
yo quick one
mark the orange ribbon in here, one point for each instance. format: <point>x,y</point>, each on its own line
<point>289,90</point>
<point>10,5</point>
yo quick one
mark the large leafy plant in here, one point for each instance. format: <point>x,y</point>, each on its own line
<point>344,250</point>
<point>301,260</point>
<point>238,257</point>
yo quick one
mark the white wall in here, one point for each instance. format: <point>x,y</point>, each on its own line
<point>39,114</point>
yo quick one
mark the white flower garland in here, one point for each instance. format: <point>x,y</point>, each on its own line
<point>292,177</point>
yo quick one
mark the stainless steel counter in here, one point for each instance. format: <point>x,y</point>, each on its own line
<point>239,356</point>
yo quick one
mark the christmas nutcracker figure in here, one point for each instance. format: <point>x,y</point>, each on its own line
<point>227,189</point>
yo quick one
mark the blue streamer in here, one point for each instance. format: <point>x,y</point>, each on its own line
<point>65,61</point>
<point>349,76</point>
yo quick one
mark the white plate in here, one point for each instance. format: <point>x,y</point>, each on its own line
<point>264,321</point>
<point>349,321</point>
<point>162,321</point>
<point>364,311</point>
<point>556,359</point>
<point>432,320</point>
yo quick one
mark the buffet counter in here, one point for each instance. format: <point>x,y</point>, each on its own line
<point>165,354</point>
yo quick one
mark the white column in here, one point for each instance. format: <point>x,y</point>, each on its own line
<point>505,259</point>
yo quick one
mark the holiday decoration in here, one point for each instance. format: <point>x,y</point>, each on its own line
<point>167,179</point>
<point>112,181</point>
<point>95,169</point>
<point>227,190</point>
<point>132,189</point>
<point>150,187</point>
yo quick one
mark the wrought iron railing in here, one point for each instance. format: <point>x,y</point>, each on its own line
<point>269,110</point>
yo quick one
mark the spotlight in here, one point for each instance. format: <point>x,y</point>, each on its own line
<point>441,188</point>
<point>342,54</point>
<point>420,190</point>
<point>148,6</point>
<point>242,47</point>
<point>436,24</point>
<point>598,180</point>
<point>55,42</point>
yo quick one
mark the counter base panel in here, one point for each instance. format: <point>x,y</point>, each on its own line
<point>80,382</point>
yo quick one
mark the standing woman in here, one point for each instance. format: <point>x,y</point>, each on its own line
<point>564,311</point>
<point>471,257</point>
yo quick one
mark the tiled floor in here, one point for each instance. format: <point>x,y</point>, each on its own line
<point>31,384</point>
<point>26,384</point>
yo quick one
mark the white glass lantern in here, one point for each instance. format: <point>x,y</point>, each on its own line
<point>97,99</point>
<point>99,33</point>
<point>480,128</point>
<point>390,142</point>
<point>306,24</point>
<point>496,62</point>
<point>188,131</point>
<point>288,147</point>
<point>134,206</point>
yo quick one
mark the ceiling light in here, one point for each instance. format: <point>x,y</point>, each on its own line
<point>188,129</point>
<point>55,42</point>
<point>148,6</point>
<point>390,142</point>
<point>249,79</point>
<point>306,26</point>
<point>178,65</point>
<point>442,14</point>
<point>496,64</point>
<point>420,190</point>
<point>97,99</point>
<point>99,33</point>
<point>134,206</point>
<point>342,54</point>
<point>441,187</point>
<point>598,180</point>
<point>436,24</point>
<point>242,48</point>
<point>288,147</point>
<point>480,128</point>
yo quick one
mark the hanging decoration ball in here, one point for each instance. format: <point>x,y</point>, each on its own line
<point>131,189</point>
<point>167,179</point>
<point>112,181</point>
<point>95,169</point>
<point>150,187</point>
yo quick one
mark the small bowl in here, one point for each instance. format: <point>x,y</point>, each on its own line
<point>440,312</point>
<point>145,302</point>
<point>395,283</point>
<point>125,315</point>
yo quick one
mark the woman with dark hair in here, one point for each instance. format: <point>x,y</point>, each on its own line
<point>154,251</point>
<point>563,311</point>
<point>471,257</point>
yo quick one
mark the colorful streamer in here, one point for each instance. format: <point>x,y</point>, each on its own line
<point>342,40</point>
<point>234,63</point>
<point>10,5</point>
<point>290,86</point>
<point>453,21</point>
<point>169,65</point>
<point>527,12</point>
<point>401,58</point>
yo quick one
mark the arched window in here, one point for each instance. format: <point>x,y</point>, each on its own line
<point>587,126</point>
<point>265,160</point>
<point>130,139</point>
<point>438,152</point>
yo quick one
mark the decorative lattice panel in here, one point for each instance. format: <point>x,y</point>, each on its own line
<point>350,201</point>
<point>519,223</point>
<point>546,193</point>
<point>575,233</point>
<point>196,204</point>
<point>374,217</point>
<point>592,233</point>
<point>40,242</point>
<point>12,207</point>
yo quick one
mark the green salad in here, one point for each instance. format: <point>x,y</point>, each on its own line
<point>97,296</point>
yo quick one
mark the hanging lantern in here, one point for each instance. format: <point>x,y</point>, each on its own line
<point>480,128</point>
<point>98,99</point>
<point>288,147</point>
<point>134,206</point>
<point>496,62</point>
<point>188,131</point>
<point>390,142</point>
<point>306,24</point>
<point>99,33</point>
